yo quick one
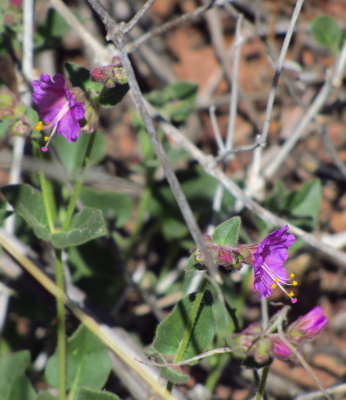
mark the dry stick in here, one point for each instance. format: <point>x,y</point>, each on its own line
<point>271,53</point>
<point>234,92</point>
<point>104,55</point>
<point>333,80</point>
<point>219,48</point>
<point>221,350</point>
<point>278,70</point>
<point>240,149</point>
<point>209,165</point>
<point>337,390</point>
<point>167,26</point>
<point>129,26</point>
<point>216,129</point>
<point>115,34</point>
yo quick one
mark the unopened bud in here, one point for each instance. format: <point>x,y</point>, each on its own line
<point>110,75</point>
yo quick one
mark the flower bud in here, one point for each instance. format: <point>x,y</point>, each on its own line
<point>20,127</point>
<point>110,75</point>
<point>279,349</point>
<point>307,326</point>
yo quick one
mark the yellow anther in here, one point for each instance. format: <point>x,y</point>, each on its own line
<point>292,275</point>
<point>291,294</point>
<point>294,283</point>
<point>274,286</point>
<point>276,280</point>
<point>39,126</point>
<point>46,138</point>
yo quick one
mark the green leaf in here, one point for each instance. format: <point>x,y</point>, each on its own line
<point>86,225</point>
<point>113,205</point>
<point>88,394</point>
<point>72,154</point>
<point>13,382</point>
<point>173,374</point>
<point>326,32</point>
<point>176,101</point>
<point>304,204</point>
<point>45,396</point>
<point>80,77</point>
<point>170,331</point>
<point>112,97</point>
<point>227,233</point>
<point>174,228</point>
<point>88,362</point>
<point>28,203</point>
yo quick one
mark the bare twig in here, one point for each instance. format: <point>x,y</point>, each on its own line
<point>216,130</point>
<point>234,91</point>
<point>335,390</point>
<point>134,21</point>
<point>115,34</point>
<point>248,147</point>
<point>315,107</point>
<point>278,70</point>
<point>210,353</point>
<point>167,26</point>
<point>101,53</point>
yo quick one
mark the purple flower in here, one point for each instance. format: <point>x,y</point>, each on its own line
<point>57,107</point>
<point>269,263</point>
<point>307,326</point>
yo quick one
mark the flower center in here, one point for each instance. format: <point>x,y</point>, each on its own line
<point>63,111</point>
<point>278,281</point>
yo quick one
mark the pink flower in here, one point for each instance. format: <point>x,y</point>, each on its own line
<point>57,107</point>
<point>269,263</point>
<point>307,326</point>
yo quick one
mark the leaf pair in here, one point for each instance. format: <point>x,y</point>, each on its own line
<point>28,202</point>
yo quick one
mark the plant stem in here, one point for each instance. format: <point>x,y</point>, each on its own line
<point>59,276</point>
<point>44,189</point>
<point>190,325</point>
<point>262,384</point>
<point>77,188</point>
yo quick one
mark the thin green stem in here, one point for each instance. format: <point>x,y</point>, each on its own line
<point>78,186</point>
<point>262,384</point>
<point>45,191</point>
<point>190,325</point>
<point>59,276</point>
